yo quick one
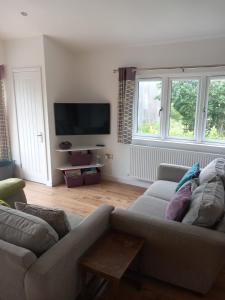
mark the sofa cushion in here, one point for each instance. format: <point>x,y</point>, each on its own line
<point>10,186</point>
<point>149,206</point>
<point>162,189</point>
<point>193,172</point>
<point>213,169</point>
<point>179,204</point>
<point>53,216</point>
<point>207,205</point>
<point>74,219</point>
<point>26,231</point>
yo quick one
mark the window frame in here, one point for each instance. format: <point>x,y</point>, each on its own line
<point>204,77</point>
<point>169,108</point>
<point>135,127</point>
<point>204,139</point>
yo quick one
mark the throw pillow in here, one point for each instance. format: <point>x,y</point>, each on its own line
<point>4,203</point>
<point>26,231</point>
<point>213,169</point>
<point>179,204</point>
<point>194,184</point>
<point>207,205</point>
<point>54,217</point>
<point>193,172</point>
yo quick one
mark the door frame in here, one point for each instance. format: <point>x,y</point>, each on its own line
<point>32,69</point>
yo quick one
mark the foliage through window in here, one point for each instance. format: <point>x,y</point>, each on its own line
<point>215,122</point>
<point>181,108</point>
<point>184,95</point>
<point>149,105</point>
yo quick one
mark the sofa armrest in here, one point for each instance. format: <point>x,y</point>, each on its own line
<point>171,172</point>
<point>14,262</point>
<point>184,255</point>
<point>55,275</point>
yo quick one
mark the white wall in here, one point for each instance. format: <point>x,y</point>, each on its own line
<point>22,53</point>
<point>61,85</point>
<point>1,53</point>
<point>89,77</point>
<point>97,82</point>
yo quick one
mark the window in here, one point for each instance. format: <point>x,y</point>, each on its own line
<point>215,122</point>
<point>186,108</point>
<point>149,105</point>
<point>184,96</point>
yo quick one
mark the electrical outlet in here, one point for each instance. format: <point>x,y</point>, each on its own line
<point>108,156</point>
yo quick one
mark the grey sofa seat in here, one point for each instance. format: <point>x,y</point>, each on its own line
<point>149,206</point>
<point>162,189</point>
<point>55,275</point>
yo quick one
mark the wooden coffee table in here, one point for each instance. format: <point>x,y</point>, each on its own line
<point>110,257</point>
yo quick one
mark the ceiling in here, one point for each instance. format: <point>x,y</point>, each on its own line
<point>85,24</point>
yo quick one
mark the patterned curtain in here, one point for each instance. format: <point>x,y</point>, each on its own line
<point>125,105</point>
<point>4,138</point>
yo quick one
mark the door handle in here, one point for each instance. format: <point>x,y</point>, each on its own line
<point>40,135</point>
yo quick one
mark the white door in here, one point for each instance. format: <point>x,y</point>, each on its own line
<point>30,123</point>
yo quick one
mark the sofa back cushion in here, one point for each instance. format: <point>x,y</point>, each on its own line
<point>26,231</point>
<point>179,204</point>
<point>207,205</point>
<point>213,169</point>
<point>53,216</point>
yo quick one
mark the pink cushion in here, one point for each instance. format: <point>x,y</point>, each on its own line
<point>179,204</point>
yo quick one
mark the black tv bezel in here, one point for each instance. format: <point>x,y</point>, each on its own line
<point>109,132</point>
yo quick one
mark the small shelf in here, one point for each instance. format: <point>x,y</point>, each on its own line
<point>69,167</point>
<point>81,148</point>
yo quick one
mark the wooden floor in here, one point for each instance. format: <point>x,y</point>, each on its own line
<point>84,200</point>
<point>156,290</point>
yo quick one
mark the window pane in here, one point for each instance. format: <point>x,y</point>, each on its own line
<point>215,123</point>
<point>149,104</point>
<point>184,95</point>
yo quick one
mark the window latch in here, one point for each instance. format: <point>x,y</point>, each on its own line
<point>161,109</point>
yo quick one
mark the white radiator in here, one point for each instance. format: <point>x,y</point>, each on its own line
<point>144,160</point>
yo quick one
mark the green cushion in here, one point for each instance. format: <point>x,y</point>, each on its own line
<point>3,203</point>
<point>10,186</point>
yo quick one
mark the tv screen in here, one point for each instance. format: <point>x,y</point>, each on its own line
<point>82,118</point>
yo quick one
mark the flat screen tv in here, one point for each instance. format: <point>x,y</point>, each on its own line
<point>82,118</point>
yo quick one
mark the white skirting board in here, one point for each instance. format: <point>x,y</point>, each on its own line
<point>127,180</point>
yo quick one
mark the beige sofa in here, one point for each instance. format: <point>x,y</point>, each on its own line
<point>55,274</point>
<point>184,255</point>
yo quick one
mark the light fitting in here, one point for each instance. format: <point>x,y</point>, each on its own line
<point>24,13</point>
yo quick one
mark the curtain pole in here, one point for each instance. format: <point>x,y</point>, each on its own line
<point>176,67</point>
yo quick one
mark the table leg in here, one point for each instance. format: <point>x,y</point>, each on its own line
<point>83,274</point>
<point>114,290</point>
<point>139,279</point>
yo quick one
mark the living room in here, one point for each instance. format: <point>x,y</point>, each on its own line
<point>156,73</point>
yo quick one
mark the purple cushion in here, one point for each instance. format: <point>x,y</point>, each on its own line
<point>179,204</point>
